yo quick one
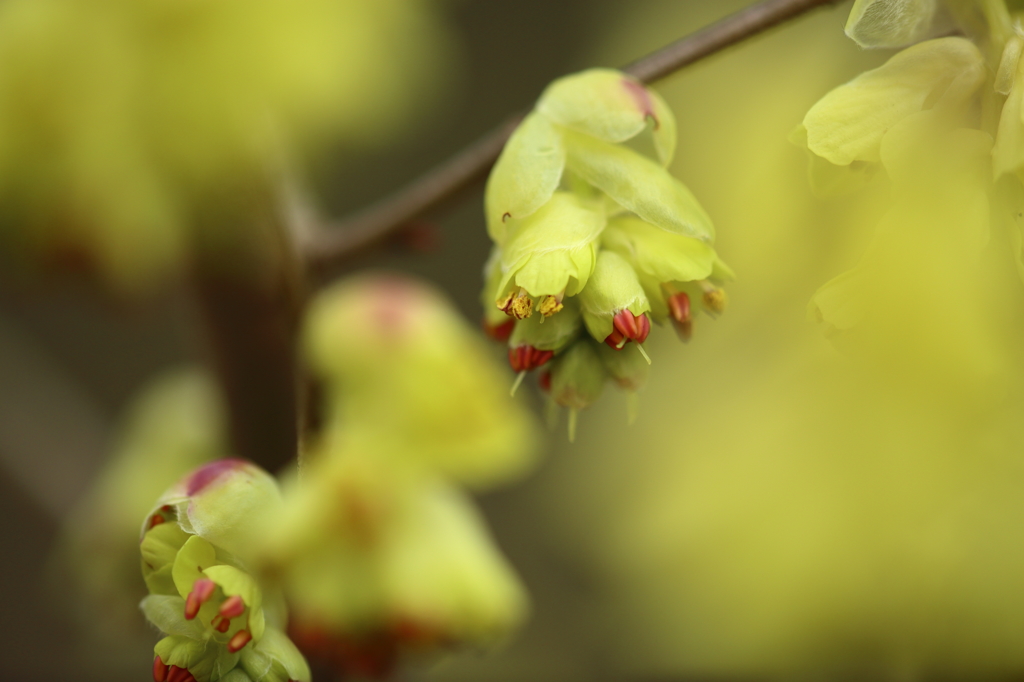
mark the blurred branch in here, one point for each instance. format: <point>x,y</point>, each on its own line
<point>327,245</point>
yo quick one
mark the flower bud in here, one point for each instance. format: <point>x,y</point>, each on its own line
<point>388,566</point>
<point>224,502</point>
<point>534,341</point>
<point>628,368</point>
<point>578,376</point>
<point>614,302</point>
<point>405,375</point>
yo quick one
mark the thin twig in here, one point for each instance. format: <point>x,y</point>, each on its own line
<point>334,244</point>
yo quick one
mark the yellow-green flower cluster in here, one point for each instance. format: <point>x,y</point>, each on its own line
<point>593,236</point>
<point>942,120</point>
<point>380,551</point>
<point>219,621</point>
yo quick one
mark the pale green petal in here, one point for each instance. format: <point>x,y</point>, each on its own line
<point>666,256</point>
<point>1008,154</point>
<point>275,659</point>
<point>847,124</point>
<point>604,103</point>
<point>490,294</point>
<point>168,614</point>
<point>233,581</point>
<point>551,333</point>
<point>828,180</point>
<point>206,660</point>
<point>194,557</point>
<point>613,287</point>
<point>891,23</point>
<point>839,303</point>
<point>665,138</point>
<point>639,185</point>
<point>525,175</point>
<point>159,549</point>
<point>561,236</point>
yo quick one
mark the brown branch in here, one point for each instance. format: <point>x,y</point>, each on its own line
<point>326,247</point>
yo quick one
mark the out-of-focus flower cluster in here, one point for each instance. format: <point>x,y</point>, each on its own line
<point>372,544</point>
<point>120,119</point>
<point>594,239</point>
<point>942,121</point>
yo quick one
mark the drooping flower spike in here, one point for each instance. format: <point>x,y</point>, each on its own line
<point>589,226</point>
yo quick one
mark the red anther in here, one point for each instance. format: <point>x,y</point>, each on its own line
<point>221,624</point>
<point>156,520</point>
<point>539,357</point>
<point>644,324</point>
<point>240,639</point>
<point>159,670</point>
<point>500,332</point>
<point>202,590</point>
<point>626,324</point>
<point>679,307</point>
<point>518,357</point>
<point>616,340</point>
<point>232,607</point>
<point>544,381</point>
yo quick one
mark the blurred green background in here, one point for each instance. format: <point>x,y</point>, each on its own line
<point>781,509</point>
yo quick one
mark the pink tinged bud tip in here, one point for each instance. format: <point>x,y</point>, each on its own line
<point>202,590</point>
<point>500,332</point>
<point>232,607</point>
<point>628,327</point>
<point>240,639</point>
<point>205,475</point>
<point>525,358</point>
<point>642,98</point>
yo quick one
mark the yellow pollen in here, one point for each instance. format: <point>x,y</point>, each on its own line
<point>549,306</point>
<point>522,307</point>
<point>715,300</point>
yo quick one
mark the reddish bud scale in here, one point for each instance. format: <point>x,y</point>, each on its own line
<point>525,358</point>
<point>500,332</point>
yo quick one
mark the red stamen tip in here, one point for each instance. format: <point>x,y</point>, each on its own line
<point>156,520</point>
<point>679,307</point>
<point>628,327</point>
<point>202,590</point>
<point>177,674</point>
<point>221,624</point>
<point>159,670</point>
<point>525,358</point>
<point>232,607</point>
<point>240,639</point>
